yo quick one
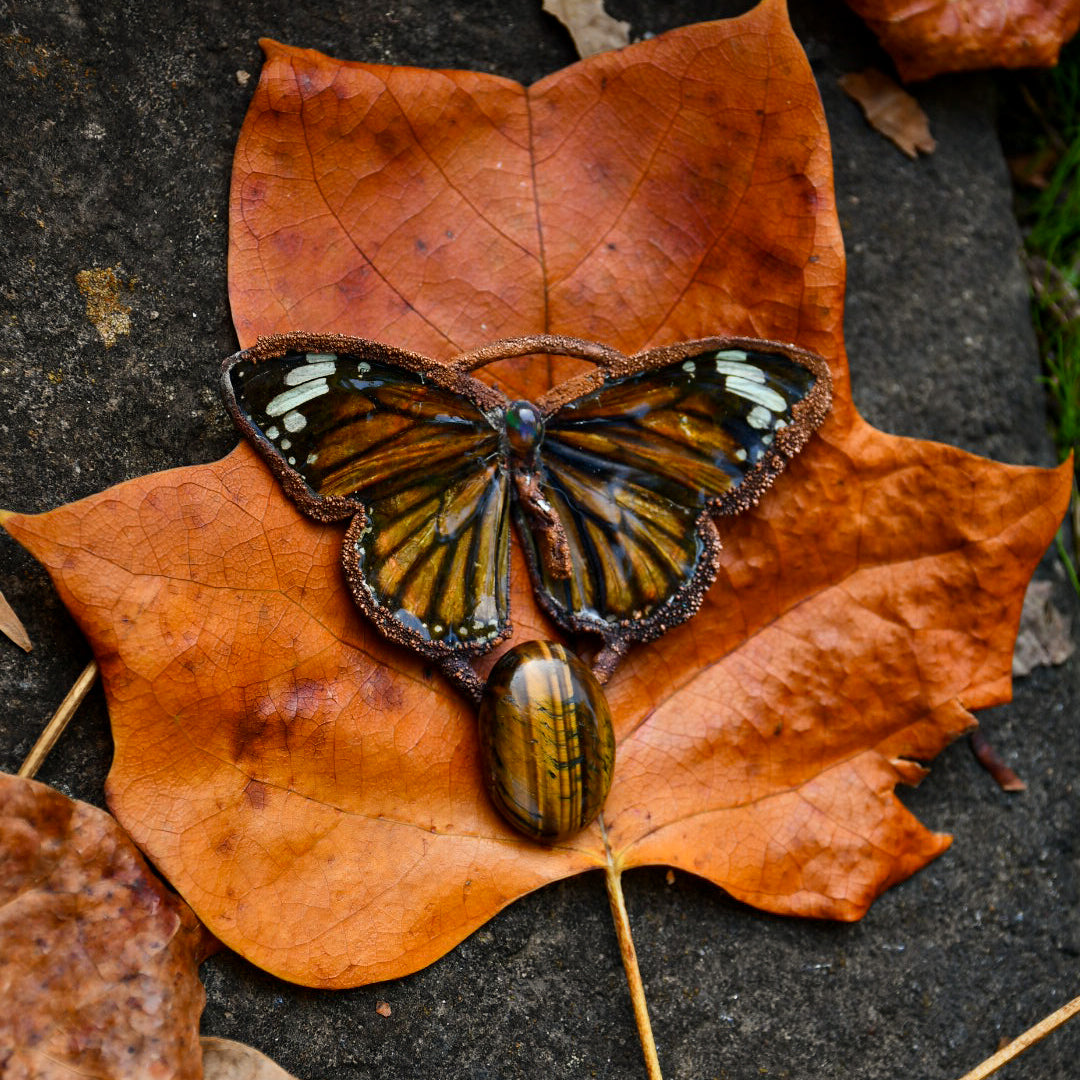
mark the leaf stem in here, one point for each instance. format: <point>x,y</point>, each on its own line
<point>1022,1042</point>
<point>53,729</point>
<point>613,878</point>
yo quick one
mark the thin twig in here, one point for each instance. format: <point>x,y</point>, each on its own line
<point>47,739</point>
<point>1049,130</point>
<point>1020,1044</point>
<point>613,877</point>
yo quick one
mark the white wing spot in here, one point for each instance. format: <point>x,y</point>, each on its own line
<point>285,444</point>
<point>755,392</point>
<point>737,355</point>
<point>306,372</point>
<point>312,458</point>
<point>759,418</point>
<point>272,433</point>
<point>288,400</point>
<point>689,366</point>
<point>740,454</point>
<point>741,371</point>
<point>295,421</point>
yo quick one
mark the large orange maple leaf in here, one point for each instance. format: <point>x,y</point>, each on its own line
<point>314,792</point>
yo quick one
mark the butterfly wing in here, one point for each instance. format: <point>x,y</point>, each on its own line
<point>416,464</point>
<point>636,469</point>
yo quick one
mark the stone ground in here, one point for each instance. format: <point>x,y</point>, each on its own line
<point>120,121</point>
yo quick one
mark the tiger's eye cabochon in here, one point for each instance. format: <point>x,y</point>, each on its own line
<point>546,741</point>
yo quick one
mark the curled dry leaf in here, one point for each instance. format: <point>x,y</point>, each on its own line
<point>964,35</point>
<point>890,110</point>
<point>1043,638</point>
<point>12,626</point>
<point>315,792</point>
<point>591,27</point>
<point>224,1059</point>
<point>1004,776</point>
<point>98,965</point>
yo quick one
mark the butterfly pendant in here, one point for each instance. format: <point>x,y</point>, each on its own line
<point>614,478</point>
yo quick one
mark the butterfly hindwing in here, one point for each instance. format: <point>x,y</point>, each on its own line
<point>636,468</point>
<point>417,463</point>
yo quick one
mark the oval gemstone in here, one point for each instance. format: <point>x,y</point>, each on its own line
<point>546,742</point>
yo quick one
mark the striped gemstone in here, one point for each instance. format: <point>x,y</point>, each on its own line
<point>546,742</point>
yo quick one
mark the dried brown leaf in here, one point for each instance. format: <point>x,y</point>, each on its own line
<point>98,965</point>
<point>928,38</point>
<point>1044,639</point>
<point>891,110</point>
<point>985,754</point>
<point>224,1059</point>
<point>12,626</point>
<point>591,27</point>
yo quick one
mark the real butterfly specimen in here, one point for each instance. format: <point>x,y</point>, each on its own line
<point>615,480</point>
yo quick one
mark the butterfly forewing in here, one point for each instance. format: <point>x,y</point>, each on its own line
<point>632,467</point>
<point>429,555</point>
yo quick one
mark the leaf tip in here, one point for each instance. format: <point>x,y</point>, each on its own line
<point>271,47</point>
<point>778,9</point>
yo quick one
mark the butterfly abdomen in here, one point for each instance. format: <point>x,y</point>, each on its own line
<point>547,746</point>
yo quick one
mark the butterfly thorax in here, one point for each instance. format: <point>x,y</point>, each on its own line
<point>524,430</point>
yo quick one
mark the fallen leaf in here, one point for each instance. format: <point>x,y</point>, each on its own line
<point>591,27</point>
<point>383,1008</point>
<point>98,965</point>
<point>926,39</point>
<point>1043,639</point>
<point>891,110</point>
<point>1034,170</point>
<point>991,761</point>
<point>12,627</point>
<point>224,1059</point>
<point>315,792</point>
